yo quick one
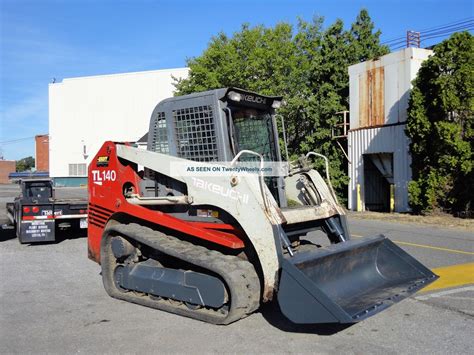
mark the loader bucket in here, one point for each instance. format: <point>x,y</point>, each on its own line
<point>348,282</point>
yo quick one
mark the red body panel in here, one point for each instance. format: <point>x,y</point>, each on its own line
<point>107,179</point>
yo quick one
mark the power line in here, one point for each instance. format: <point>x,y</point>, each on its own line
<point>447,24</point>
<point>437,36</point>
<point>449,31</point>
<point>444,34</point>
<point>391,40</point>
<point>424,37</point>
<point>466,27</point>
<point>459,24</point>
<point>404,40</point>
<point>16,140</point>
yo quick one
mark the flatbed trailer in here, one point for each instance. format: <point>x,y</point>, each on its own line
<point>36,214</point>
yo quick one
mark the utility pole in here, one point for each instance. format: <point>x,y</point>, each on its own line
<point>413,39</point>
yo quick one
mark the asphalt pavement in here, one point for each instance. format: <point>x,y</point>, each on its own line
<point>52,301</point>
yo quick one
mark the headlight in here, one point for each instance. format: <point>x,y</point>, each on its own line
<point>276,104</point>
<point>234,96</point>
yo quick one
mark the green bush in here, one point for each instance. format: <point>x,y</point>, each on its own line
<point>307,66</point>
<point>440,126</point>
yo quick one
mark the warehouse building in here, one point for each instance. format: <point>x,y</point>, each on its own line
<point>378,149</point>
<point>84,112</point>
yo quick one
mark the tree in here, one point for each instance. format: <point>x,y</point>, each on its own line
<point>309,68</point>
<point>258,59</point>
<point>364,43</point>
<point>25,164</point>
<point>440,126</point>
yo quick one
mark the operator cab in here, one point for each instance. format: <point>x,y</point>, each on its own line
<point>251,123</point>
<point>216,125</point>
<point>37,190</point>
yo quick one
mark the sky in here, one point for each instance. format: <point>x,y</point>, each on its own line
<point>45,39</point>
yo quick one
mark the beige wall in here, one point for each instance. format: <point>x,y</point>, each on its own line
<point>85,112</point>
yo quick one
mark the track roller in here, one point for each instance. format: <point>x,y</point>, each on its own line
<point>198,283</point>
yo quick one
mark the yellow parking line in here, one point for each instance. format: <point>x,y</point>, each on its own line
<point>426,246</point>
<point>452,276</point>
<point>449,276</point>
<point>435,248</point>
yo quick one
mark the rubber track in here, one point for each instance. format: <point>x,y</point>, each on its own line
<point>239,275</point>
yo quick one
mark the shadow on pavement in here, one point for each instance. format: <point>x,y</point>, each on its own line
<point>68,234</point>
<point>6,232</point>
<point>272,313</point>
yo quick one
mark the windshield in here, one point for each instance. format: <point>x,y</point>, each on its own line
<point>40,190</point>
<point>254,131</point>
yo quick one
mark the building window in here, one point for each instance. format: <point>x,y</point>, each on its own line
<point>77,170</point>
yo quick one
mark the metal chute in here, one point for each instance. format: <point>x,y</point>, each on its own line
<point>348,282</point>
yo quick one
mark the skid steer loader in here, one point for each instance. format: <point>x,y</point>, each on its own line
<point>214,247</point>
